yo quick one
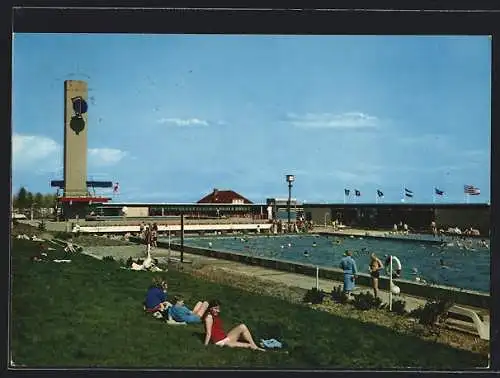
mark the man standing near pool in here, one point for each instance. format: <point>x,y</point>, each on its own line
<point>348,265</point>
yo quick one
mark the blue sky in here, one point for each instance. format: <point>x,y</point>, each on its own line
<point>173,116</point>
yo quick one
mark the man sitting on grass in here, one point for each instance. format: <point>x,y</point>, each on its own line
<point>180,313</point>
<point>156,296</point>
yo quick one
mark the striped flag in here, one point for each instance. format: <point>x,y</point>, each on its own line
<point>471,190</point>
<point>380,193</point>
<point>357,193</point>
<point>408,193</point>
<point>438,192</point>
<point>346,192</point>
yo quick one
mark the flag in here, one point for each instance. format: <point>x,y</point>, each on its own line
<point>116,187</point>
<point>357,193</point>
<point>438,192</point>
<point>472,190</point>
<point>346,192</point>
<point>408,193</point>
<point>380,193</point>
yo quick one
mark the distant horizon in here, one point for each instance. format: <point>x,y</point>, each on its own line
<point>173,116</point>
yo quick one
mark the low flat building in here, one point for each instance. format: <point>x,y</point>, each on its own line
<point>417,216</point>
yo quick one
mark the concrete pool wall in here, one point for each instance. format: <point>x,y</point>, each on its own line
<point>460,296</point>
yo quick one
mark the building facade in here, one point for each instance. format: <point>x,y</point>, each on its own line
<point>417,216</point>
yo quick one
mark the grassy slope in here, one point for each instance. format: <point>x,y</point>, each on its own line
<point>88,313</point>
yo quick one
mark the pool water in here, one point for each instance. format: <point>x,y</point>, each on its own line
<point>466,267</point>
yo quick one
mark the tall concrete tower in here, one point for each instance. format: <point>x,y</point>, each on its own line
<point>75,138</point>
<point>76,200</point>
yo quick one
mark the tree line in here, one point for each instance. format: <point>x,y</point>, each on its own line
<point>25,199</point>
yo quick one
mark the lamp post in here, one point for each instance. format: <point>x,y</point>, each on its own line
<point>289,180</point>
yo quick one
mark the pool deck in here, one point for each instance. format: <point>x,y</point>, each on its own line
<point>271,275</point>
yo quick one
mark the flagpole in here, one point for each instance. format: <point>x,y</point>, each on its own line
<point>434,196</point>
<point>403,193</point>
<point>376,198</point>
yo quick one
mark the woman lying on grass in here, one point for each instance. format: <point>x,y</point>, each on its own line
<point>180,313</point>
<point>215,333</point>
<point>156,296</point>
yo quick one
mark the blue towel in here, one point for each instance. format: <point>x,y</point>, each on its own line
<point>271,344</point>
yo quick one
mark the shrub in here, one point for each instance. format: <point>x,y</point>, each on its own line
<point>338,295</point>
<point>314,296</point>
<point>399,307</point>
<point>433,312</point>
<point>42,226</point>
<point>366,301</point>
<point>108,258</point>
<point>129,262</point>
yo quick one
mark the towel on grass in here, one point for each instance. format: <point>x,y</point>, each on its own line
<point>271,344</point>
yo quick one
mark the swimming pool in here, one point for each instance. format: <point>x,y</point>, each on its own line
<point>467,265</point>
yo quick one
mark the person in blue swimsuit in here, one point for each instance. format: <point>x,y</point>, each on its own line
<point>181,313</point>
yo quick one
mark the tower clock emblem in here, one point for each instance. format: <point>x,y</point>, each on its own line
<point>80,107</point>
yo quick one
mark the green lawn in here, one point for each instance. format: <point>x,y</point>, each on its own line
<point>88,313</point>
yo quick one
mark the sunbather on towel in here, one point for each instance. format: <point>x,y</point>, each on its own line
<point>156,296</point>
<point>180,313</point>
<point>215,332</point>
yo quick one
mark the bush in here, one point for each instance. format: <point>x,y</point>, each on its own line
<point>314,296</point>
<point>338,295</point>
<point>42,226</point>
<point>108,259</point>
<point>434,312</point>
<point>366,301</point>
<point>399,307</point>
<point>129,262</point>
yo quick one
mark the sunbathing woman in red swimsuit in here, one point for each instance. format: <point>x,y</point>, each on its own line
<point>215,332</point>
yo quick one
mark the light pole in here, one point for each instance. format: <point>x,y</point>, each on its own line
<point>289,180</point>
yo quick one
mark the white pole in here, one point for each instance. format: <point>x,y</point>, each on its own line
<point>467,198</point>
<point>169,251</point>
<point>317,278</point>
<point>390,283</point>
<point>434,196</point>
<point>344,197</point>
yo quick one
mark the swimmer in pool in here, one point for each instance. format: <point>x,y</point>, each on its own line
<point>314,244</point>
<point>442,264</point>
<point>306,254</point>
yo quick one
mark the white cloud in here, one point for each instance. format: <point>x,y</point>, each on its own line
<point>106,156</point>
<point>183,122</point>
<point>41,155</point>
<point>347,121</point>
<point>35,152</point>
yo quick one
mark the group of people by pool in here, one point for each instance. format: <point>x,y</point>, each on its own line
<point>348,265</point>
<point>208,313</point>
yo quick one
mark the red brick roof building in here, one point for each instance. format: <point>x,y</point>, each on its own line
<point>224,196</point>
